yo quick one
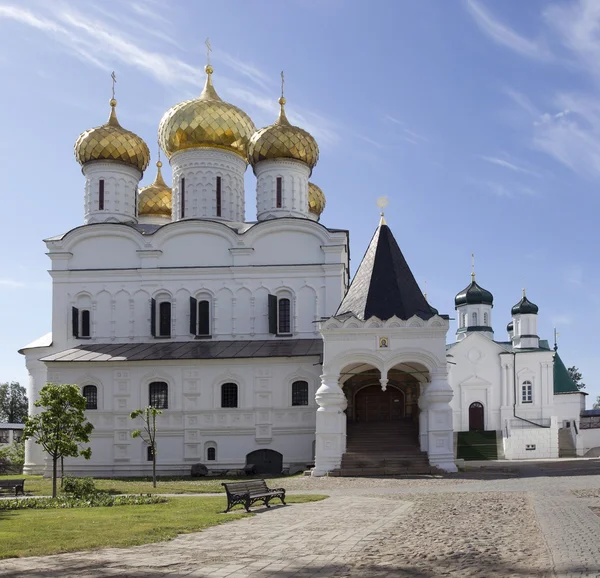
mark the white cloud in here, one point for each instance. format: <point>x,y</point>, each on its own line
<point>506,36</point>
<point>508,165</point>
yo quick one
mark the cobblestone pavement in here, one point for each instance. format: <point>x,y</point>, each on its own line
<point>537,525</point>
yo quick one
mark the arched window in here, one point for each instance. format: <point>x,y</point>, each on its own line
<point>90,392</point>
<point>182,198</point>
<point>211,454</point>
<point>218,197</point>
<point>229,395</point>
<point>527,392</point>
<point>159,395</point>
<point>279,193</point>
<point>299,393</point>
<point>200,317</point>
<point>474,318</point>
<point>164,319</point>
<point>284,316</point>
<point>149,454</point>
<point>485,319</point>
<point>464,319</point>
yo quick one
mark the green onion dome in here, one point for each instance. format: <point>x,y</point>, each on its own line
<point>474,295</point>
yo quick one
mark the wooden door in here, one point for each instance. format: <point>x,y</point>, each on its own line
<point>372,404</point>
<point>476,421</point>
<point>265,461</point>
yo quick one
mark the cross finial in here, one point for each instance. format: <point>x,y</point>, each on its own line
<point>159,163</point>
<point>556,334</point>
<point>382,203</point>
<point>114,81</point>
<point>472,266</point>
<point>425,292</point>
<point>208,51</point>
<point>282,83</point>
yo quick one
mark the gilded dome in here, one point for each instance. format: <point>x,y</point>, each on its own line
<point>282,140</point>
<point>155,199</point>
<point>111,142</point>
<point>316,199</point>
<point>206,121</point>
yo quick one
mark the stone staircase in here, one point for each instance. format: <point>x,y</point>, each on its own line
<point>477,445</point>
<point>383,449</point>
<point>566,447</point>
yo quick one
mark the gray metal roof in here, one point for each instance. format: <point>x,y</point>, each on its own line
<point>181,350</point>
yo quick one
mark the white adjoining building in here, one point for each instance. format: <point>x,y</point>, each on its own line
<point>249,335</point>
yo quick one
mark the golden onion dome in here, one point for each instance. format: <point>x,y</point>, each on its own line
<point>316,200</point>
<point>282,140</point>
<point>155,199</point>
<point>206,121</point>
<point>111,142</point>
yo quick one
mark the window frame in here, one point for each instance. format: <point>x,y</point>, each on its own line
<point>474,320</point>
<point>279,192</point>
<point>281,299</point>
<point>527,391</point>
<point>197,315</point>
<point>300,396</point>
<point>101,194</point>
<point>94,395</point>
<point>211,449</point>
<point>224,395</point>
<point>218,197</point>
<point>486,319</point>
<point>156,395</point>
<point>182,197</point>
<point>149,453</point>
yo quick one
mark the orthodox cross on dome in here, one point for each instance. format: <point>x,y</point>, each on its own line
<point>208,51</point>
<point>282,83</point>
<point>158,163</point>
<point>382,203</point>
<point>114,81</point>
<point>425,292</point>
<point>556,334</point>
<point>472,266</point>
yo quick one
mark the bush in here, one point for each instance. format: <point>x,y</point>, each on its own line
<point>12,458</point>
<point>79,487</point>
<point>96,501</point>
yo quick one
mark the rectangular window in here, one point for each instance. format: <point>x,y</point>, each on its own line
<point>85,323</point>
<point>182,197</point>
<point>527,392</point>
<point>203,318</point>
<point>159,395</point>
<point>300,393</point>
<point>229,395</point>
<point>101,195</point>
<point>4,436</point>
<point>279,192</point>
<point>284,321</point>
<point>75,321</point>
<point>218,196</point>
<point>164,319</point>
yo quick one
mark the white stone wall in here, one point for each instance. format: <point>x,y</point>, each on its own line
<point>200,167</point>
<point>532,442</point>
<point>120,192</point>
<point>588,442</point>
<point>194,420</point>
<point>294,175</point>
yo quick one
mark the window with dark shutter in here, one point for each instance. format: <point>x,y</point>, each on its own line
<point>182,197</point>
<point>300,393</point>
<point>90,392</point>
<point>101,195</point>
<point>204,317</point>
<point>272,303</point>
<point>159,395</point>
<point>193,316</point>
<point>218,196</point>
<point>284,324</point>
<point>279,192</point>
<point>164,319</point>
<point>85,323</point>
<point>75,321</point>
<point>229,395</point>
<point>153,317</point>
<point>211,454</point>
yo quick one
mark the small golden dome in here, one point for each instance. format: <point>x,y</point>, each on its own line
<point>111,142</point>
<point>316,199</point>
<point>155,199</point>
<point>206,121</point>
<point>282,140</point>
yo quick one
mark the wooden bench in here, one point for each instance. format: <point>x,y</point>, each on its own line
<point>250,492</point>
<point>16,485</point>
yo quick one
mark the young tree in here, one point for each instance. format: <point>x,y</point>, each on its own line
<point>13,403</point>
<point>575,375</point>
<point>148,434</point>
<point>61,426</point>
<point>597,404</point>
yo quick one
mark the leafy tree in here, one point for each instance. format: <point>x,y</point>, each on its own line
<point>575,375</point>
<point>13,402</point>
<point>12,457</point>
<point>148,433</point>
<point>61,427</point>
<point>597,404</point>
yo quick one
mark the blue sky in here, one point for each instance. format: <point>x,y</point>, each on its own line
<point>479,120</point>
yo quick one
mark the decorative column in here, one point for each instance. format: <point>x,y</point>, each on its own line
<point>331,425</point>
<point>440,431</point>
<point>423,419</point>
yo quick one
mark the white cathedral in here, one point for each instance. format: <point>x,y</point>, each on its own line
<point>250,337</point>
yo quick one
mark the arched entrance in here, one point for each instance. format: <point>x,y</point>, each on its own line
<point>265,461</point>
<point>476,418</point>
<point>371,404</point>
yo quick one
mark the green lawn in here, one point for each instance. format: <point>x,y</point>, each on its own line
<point>38,486</point>
<point>43,532</point>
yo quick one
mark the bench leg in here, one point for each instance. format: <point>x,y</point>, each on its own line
<point>266,501</point>
<point>282,498</point>
<point>247,504</point>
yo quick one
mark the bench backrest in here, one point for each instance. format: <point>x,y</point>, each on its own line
<point>243,487</point>
<point>11,483</point>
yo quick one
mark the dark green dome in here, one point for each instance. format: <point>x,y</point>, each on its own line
<point>474,295</point>
<point>524,307</point>
<point>510,327</point>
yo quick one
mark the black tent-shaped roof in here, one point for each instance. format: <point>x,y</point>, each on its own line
<point>384,285</point>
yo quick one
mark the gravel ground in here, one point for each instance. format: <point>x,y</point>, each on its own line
<point>470,535</point>
<point>591,493</point>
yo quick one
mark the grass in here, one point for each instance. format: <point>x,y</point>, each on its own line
<point>38,486</point>
<point>44,532</point>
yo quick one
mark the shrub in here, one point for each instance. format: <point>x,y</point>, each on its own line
<point>79,487</point>
<point>96,501</point>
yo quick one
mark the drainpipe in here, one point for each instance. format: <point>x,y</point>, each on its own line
<point>514,353</point>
